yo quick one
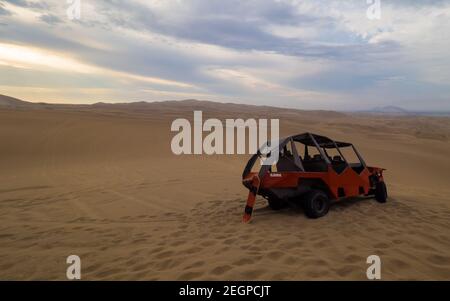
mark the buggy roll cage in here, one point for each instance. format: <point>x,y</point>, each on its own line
<point>321,143</point>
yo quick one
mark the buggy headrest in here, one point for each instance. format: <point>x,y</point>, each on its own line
<point>337,158</point>
<point>317,157</point>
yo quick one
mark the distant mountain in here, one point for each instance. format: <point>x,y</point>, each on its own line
<point>230,110</point>
<point>390,110</point>
<point>387,110</point>
<point>175,107</point>
<point>7,101</point>
<point>189,105</point>
<point>398,111</point>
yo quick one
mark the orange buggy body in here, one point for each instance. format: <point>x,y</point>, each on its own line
<point>311,181</point>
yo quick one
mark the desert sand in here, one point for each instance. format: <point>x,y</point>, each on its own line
<point>101,182</point>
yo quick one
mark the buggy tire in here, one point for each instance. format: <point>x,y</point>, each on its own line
<point>381,192</point>
<point>276,204</point>
<point>316,204</point>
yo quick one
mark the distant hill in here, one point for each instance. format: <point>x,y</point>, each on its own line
<point>398,111</point>
<point>8,101</point>
<point>175,107</point>
<point>390,110</point>
<point>186,106</point>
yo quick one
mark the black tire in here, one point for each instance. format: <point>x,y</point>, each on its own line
<point>276,204</point>
<point>381,192</point>
<point>316,204</point>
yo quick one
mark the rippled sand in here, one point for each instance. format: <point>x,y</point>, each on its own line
<point>102,183</point>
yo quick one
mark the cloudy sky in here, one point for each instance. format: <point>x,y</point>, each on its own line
<point>291,53</point>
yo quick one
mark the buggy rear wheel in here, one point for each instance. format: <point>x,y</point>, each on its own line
<point>381,192</point>
<point>316,204</point>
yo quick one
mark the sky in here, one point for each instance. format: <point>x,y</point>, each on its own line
<point>334,55</point>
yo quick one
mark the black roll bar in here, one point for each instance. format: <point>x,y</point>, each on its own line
<point>319,149</point>
<point>359,156</point>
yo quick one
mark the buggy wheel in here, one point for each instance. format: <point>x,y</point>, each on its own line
<point>316,204</point>
<point>276,204</point>
<point>381,192</point>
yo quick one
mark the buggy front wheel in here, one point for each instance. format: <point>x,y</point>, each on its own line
<point>316,204</point>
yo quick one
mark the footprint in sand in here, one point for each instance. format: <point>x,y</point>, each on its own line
<point>196,264</point>
<point>190,275</point>
<point>243,261</point>
<point>439,259</point>
<point>275,255</point>
<point>347,270</point>
<point>352,258</point>
<point>253,274</point>
<point>381,245</point>
<point>220,270</point>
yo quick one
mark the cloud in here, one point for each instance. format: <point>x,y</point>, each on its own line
<point>50,19</point>
<point>4,11</point>
<point>31,58</point>
<point>310,54</point>
<point>29,4</point>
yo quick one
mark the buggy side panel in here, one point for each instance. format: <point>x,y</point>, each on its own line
<point>348,183</point>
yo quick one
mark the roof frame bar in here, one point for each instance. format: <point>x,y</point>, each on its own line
<point>340,153</point>
<point>297,160</point>
<point>359,156</point>
<point>319,149</point>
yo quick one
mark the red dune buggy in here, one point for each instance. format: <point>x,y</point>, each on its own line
<point>311,169</point>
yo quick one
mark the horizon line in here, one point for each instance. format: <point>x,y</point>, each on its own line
<point>367,110</point>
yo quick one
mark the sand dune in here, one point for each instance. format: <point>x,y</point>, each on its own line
<point>102,183</point>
